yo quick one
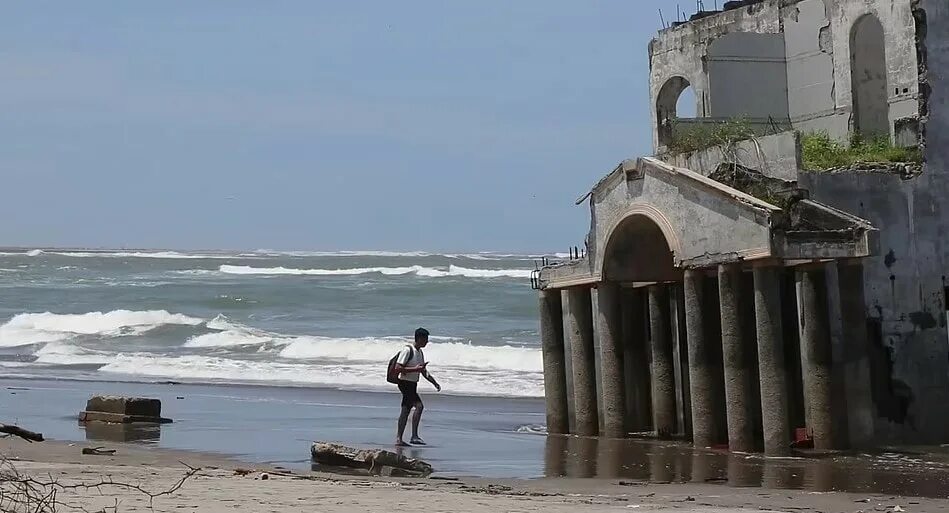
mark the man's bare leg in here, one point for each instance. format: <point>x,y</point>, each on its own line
<point>403,420</point>
<point>416,420</point>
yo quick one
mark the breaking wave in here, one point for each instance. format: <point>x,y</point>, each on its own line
<point>427,272</point>
<point>34,328</point>
<point>222,350</point>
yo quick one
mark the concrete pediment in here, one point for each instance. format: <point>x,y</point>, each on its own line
<point>651,220</point>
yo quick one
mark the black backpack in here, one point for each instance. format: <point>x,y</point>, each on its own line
<point>392,375</point>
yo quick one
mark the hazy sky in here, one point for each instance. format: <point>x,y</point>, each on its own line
<point>317,125</point>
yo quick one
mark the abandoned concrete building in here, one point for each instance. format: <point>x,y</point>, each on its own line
<point>734,295</point>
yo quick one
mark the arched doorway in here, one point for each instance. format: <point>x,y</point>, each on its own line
<point>868,78</point>
<point>638,251</point>
<point>676,99</point>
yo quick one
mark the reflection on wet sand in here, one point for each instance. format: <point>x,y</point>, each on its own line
<point>671,462</point>
<point>109,432</point>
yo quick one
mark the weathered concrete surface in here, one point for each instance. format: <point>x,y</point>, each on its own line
<point>125,405</point>
<point>663,374</point>
<point>771,365</point>
<point>578,327</point>
<point>701,364</point>
<point>555,373</point>
<point>613,386</point>
<point>636,361</point>
<point>737,357</point>
<point>816,362</point>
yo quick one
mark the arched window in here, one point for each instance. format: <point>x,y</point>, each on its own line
<point>676,99</point>
<point>871,111</point>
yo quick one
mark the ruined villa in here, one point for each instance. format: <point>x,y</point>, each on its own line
<point>733,294</point>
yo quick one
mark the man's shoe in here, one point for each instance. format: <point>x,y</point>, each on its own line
<point>417,441</point>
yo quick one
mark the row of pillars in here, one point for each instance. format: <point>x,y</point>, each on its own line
<point>717,354</point>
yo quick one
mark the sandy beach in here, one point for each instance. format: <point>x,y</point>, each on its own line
<point>222,484</point>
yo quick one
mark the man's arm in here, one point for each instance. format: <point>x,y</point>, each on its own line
<point>431,380</point>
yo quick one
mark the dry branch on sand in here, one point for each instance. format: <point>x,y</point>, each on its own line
<point>19,492</point>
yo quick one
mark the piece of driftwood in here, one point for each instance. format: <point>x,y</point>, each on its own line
<point>29,436</point>
<point>373,461</point>
<point>98,451</point>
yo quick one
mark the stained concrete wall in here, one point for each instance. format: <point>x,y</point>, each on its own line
<point>904,294</point>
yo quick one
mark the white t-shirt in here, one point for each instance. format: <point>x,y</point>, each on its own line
<point>410,357</point>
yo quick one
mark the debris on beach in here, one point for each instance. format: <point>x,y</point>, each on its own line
<point>122,410</point>
<point>98,451</point>
<point>29,436</point>
<point>372,461</point>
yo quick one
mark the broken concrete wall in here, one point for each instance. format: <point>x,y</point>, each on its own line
<point>777,156</point>
<point>680,51</point>
<point>821,46</point>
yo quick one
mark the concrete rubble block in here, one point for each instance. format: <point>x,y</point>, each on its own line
<point>373,461</point>
<point>122,410</point>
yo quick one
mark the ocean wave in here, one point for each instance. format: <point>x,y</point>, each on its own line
<point>442,354</point>
<point>34,328</point>
<point>198,368</point>
<point>427,272</point>
<point>168,255</point>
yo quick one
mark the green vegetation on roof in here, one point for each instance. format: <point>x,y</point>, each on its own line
<point>820,152</point>
<point>690,137</point>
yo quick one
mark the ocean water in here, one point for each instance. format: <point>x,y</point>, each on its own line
<point>308,319</point>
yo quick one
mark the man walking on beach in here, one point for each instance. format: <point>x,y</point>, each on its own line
<point>411,364</point>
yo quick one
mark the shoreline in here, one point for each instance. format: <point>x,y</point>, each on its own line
<point>224,483</point>
<point>254,385</point>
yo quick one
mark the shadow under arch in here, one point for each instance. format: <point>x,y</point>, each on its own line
<point>641,247</point>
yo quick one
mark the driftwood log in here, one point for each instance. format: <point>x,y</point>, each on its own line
<point>372,461</point>
<point>20,432</point>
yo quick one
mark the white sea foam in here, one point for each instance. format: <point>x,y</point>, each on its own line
<point>34,328</point>
<point>361,376</point>
<point>428,272</point>
<point>231,335</point>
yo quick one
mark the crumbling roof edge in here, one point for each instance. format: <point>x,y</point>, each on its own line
<point>740,197</point>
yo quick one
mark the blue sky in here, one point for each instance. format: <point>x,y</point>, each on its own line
<point>427,125</point>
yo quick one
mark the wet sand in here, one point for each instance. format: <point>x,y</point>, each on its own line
<point>267,427</point>
<point>216,487</point>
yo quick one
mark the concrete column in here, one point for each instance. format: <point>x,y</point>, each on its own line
<point>663,373</point>
<point>636,361</point>
<point>701,363</point>
<point>816,359</point>
<point>555,374</point>
<point>681,356</point>
<point>609,329</point>
<point>856,362</point>
<point>737,353</point>
<point>771,369</point>
<point>578,326</point>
